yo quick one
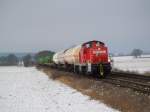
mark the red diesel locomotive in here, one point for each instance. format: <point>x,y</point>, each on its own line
<point>90,58</point>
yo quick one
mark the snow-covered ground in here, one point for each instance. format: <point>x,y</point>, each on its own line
<point>29,90</point>
<point>129,63</point>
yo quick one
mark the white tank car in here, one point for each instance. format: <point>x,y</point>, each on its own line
<point>71,56</point>
<point>58,58</point>
<point>55,59</point>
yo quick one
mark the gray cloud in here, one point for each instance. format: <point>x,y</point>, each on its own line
<point>33,25</point>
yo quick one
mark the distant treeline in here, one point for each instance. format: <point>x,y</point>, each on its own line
<point>28,59</point>
<point>9,60</point>
<point>13,60</point>
<point>137,53</point>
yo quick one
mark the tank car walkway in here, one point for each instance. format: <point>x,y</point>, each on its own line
<point>29,90</point>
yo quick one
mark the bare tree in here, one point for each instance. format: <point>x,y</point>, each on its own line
<point>12,59</point>
<point>27,60</point>
<point>9,60</point>
<point>136,52</point>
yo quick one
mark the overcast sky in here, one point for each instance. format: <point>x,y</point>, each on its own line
<point>33,25</point>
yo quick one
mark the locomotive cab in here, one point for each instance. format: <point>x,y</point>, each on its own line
<point>93,52</point>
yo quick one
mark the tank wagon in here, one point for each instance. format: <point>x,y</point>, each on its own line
<point>90,58</point>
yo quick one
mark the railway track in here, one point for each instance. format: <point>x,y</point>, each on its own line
<point>130,75</point>
<point>137,82</point>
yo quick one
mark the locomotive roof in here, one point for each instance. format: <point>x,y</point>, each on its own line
<point>93,41</point>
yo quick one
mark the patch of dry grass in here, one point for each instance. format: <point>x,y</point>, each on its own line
<point>147,73</point>
<point>123,99</point>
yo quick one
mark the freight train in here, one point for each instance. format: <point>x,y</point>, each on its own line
<point>88,58</point>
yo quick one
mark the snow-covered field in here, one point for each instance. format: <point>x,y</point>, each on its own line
<point>129,63</point>
<point>29,90</point>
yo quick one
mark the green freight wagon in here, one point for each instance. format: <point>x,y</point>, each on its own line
<point>44,57</point>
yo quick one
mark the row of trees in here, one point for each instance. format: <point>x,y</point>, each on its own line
<point>11,59</point>
<point>28,60</point>
<point>135,52</point>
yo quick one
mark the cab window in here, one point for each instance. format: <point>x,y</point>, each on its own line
<point>87,45</point>
<point>97,44</point>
